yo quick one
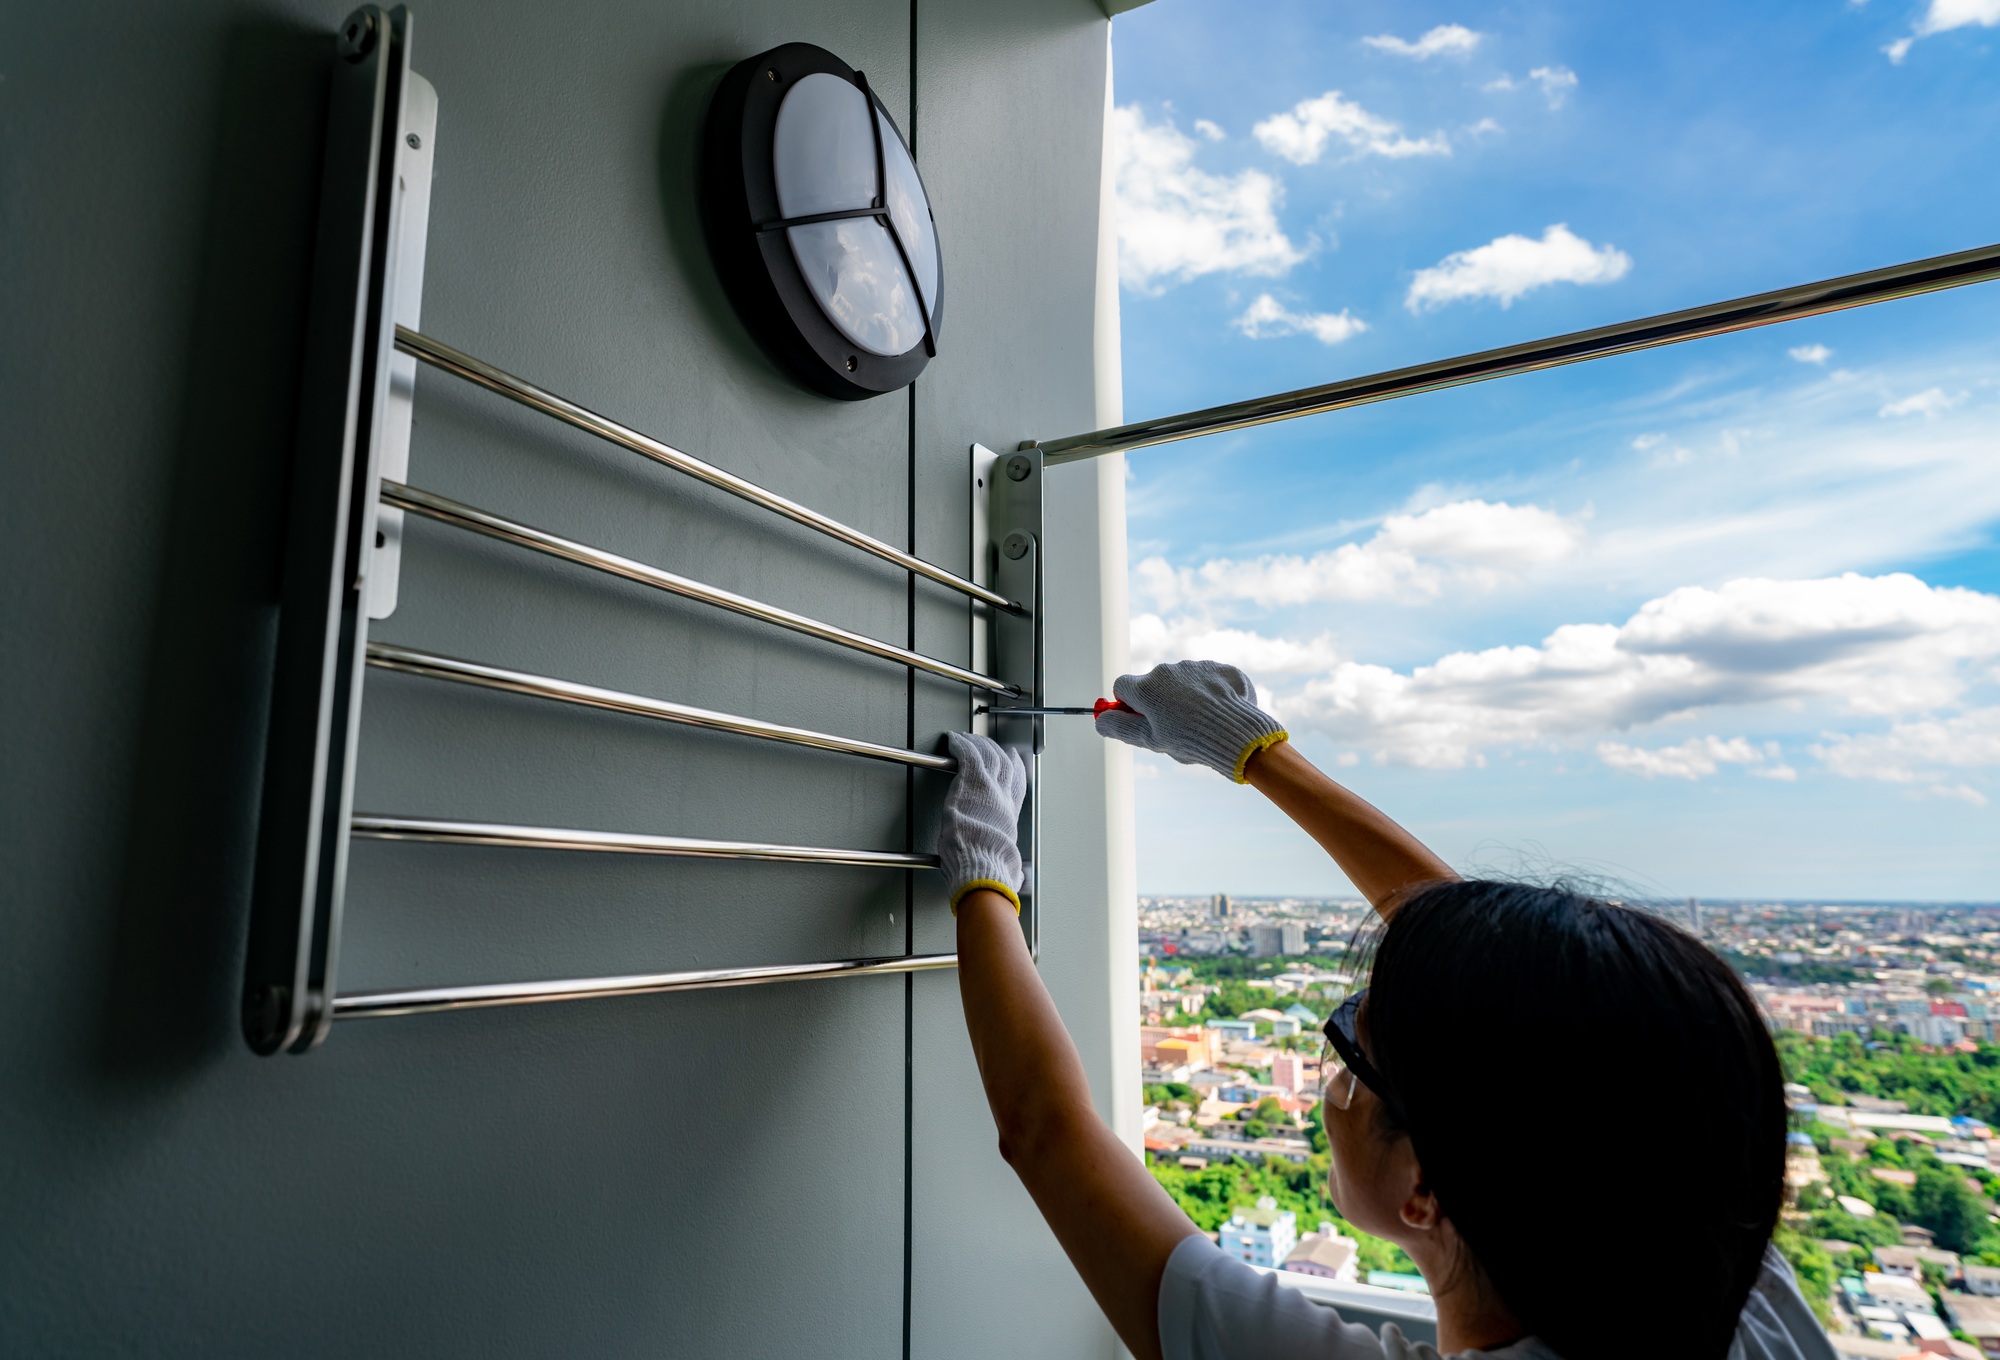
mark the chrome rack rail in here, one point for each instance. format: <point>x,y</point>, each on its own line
<point>417,1000</point>
<point>508,531</point>
<point>462,365</point>
<point>1670,328</point>
<point>349,497</point>
<point>434,667</point>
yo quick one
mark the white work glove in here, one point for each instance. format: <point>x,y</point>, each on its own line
<point>977,845</point>
<point>1198,712</point>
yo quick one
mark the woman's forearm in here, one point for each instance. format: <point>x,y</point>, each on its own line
<point>1114,1221</point>
<point>1379,857</point>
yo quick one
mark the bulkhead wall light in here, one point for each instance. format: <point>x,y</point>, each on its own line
<point>819,223</point>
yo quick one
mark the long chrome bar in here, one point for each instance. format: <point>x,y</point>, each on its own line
<point>432,666</point>
<point>372,826</point>
<point>415,1001</point>
<point>462,365</point>
<point>1696,323</point>
<point>521,535</point>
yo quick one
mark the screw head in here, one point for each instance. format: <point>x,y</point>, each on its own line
<point>1019,468</point>
<point>416,142</point>
<point>771,74</point>
<point>852,363</point>
<point>1016,546</point>
<point>357,35</point>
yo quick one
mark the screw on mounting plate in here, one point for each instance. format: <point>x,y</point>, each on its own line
<point>357,35</point>
<point>1015,546</point>
<point>1018,468</point>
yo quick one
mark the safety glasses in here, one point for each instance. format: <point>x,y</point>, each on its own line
<point>1343,1066</point>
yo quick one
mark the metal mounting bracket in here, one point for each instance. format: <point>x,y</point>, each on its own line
<point>374,153</point>
<point>1007,542</point>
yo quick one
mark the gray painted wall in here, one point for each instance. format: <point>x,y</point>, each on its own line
<point>736,1172</point>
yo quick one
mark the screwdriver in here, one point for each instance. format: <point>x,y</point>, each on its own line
<point>1101,707</point>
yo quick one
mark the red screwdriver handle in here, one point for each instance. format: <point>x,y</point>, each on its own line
<point>1104,706</point>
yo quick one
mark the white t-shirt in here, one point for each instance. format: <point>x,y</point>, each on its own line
<point>1213,1307</point>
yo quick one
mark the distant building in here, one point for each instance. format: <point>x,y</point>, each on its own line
<point>1983,1280</point>
<point>1326,1254</point>
<point>1179,1047</point>
<point>1304,1015</point>
<point>1977,1317</point>
<point>1289,1071</point>
<point>1694,914</point>
<point>1295,1150</point>
<point>1268,939</point>
<point>1261,1236</point>
<point>1245,1030</point>
<point>1939,1031</point>
<point>1220,907</point>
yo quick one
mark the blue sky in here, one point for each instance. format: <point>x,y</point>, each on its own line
<point>1721,619</point>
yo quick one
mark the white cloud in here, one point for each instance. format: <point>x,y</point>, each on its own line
<point>1512,265</point>
<point>1485,127</point>
<point>1211,130</point>
<point>1916,752</point>
<point>1267,317</point>
<point>1177,221</point>
<point>1465,544</point>
<point>1810,354</point>
<point>1942,17</point>
<point>1156,639</point>
<point>1556,83</point>
<point>1965,793</point>
<point>1929,403</point>
<point>1445,40</point>
<point>1885,645</point>
<point>1301,136</point>
<point>1695,758</point>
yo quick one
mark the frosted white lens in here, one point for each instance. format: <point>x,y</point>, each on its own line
<point>823,159</point>
<point>910,210</point>
<point>823,151</point>
<point>858,279</point>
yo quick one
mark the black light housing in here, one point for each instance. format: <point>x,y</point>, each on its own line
<point>819,223</point>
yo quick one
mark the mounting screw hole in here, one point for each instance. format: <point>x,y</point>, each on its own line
<point>771,74</point>
<point>416,142</point>
<point>357,35</point>
<point>852,363</point>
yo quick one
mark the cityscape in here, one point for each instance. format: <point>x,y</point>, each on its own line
<point>1887,1018</point>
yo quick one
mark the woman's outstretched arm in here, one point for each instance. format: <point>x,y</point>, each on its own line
<point>1206,713</point>
<point>1113,1219</point>
<point>1379,857</point>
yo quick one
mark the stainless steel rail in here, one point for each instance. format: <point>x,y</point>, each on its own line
<point>462,365</point>
<point>1695,323</point>
<point>521,535</point>
<point>386,657</point>
<point>372,826</point>
<point>362,1005</point>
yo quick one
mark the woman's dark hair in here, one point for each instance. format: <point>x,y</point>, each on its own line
<point>1596,1104</point>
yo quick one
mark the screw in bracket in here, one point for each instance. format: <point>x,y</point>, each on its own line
<point>1016,545</point>
<point>357,35</point>
<point>1019,469</point>
<point>416,142</point>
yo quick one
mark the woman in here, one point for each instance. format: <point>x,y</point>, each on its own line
<point>1567,1112</point>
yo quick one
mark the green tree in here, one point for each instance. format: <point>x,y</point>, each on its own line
<point>1943,1203</point>
<point>1814,1266</point>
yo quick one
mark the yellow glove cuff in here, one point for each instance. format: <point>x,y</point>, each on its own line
<point>991,885</point>
<point>1262,743</point>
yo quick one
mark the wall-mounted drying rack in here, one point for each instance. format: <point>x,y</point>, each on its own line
<point>349,499</point>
